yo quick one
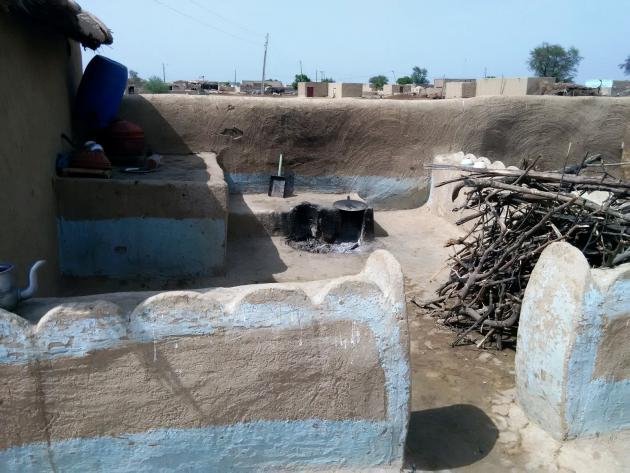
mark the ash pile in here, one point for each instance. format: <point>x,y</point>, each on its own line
<point>511,216</point>
<point>344,228</point>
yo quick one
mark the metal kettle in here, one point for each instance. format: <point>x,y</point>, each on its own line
<point>10,295</point>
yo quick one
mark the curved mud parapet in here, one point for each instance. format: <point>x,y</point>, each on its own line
<point>440,200</point>
<point>252,378</point>
<point>376,148</point>
<point>573,356</point>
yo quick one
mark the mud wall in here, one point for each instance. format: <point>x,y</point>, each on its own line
<point>251,378</point>
<point>440,201</point>
<point>459,90</point>
<point>40,73</point>
<point>171,224</point>
<point>573,358</point>
<point>320,89</point>
<point>375,147</point>
<point>512,85</point>
<point>344,90</point>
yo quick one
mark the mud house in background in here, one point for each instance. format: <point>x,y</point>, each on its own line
<point>178,87</point>
<point>513,85</point>
<point>312,89</point>
<point>198,86</point>
<point>341,90</point>
<point>439,86</point>
<point>396,89</point>
<point>41,40</point>
<point>441,83</point>
<point>612,88</point>
<point>459,90</point>
<point>253,86</point>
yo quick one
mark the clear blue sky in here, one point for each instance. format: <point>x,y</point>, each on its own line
<point>353,40</point>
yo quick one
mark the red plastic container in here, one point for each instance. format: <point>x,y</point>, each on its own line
<point>123,139</point>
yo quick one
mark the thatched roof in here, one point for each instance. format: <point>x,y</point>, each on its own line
<point>64,16</point>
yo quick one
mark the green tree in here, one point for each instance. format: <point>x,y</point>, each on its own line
<point>155,85</point>
<point>328,79</point>
<point>404,80</point>
<point>625,66</point>
<point>378,82</point>
<point>552,60</point>
<point>419,75</point>
<point>300,78</point>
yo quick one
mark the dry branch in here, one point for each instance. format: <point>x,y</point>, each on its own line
<point>513,216</point>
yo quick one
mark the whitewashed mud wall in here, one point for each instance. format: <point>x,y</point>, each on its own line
<point>252,378</point>
<point>573,351</point>
<point>440,201</point>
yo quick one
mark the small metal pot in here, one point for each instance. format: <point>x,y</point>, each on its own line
<point>10,294</point>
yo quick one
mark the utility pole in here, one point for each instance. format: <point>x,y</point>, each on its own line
<point>322,75</point>
<point>262,84</point>
<point>394,76</point>
<point>163,72</point>
<point>315,74</point>
<point>234,76</point>
<point>301,67</point>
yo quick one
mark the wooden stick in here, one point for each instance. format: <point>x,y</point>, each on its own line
<point>539,175</point>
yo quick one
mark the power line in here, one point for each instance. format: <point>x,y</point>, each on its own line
<point>203,7</point>
<point>203,23</point>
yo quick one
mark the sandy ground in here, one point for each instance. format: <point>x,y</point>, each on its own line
<point>464,416</point>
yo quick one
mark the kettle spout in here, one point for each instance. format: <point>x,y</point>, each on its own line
<point>32,282</point>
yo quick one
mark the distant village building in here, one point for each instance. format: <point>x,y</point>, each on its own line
<point>609,87</point>
<point>620,88</point>
<point>431,92</point>
<point>179,86</point>
<point>312,89</point>
<point>192,87</point>
<point>459,90</point>
<point>438,89</point>
<point>513,86</point>
<point>396,89</point>
<point>253,86</point>
<point>344,89</point>
<point>441,83</point>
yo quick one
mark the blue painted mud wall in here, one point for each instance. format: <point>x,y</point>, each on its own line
<point>395,193</point>
<point>133,247</point>
<point>573,357</point>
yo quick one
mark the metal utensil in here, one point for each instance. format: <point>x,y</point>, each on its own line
<point>10,295</point>
<point>278,184</point>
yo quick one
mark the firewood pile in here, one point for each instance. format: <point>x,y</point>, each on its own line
<point>512,215</point>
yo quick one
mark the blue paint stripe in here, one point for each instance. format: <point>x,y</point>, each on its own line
<point>257,446</point>
<point>596,405</point>
<point>141,247</point>
<point>380,191</point>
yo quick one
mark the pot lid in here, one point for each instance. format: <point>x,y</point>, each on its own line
<point>350,205</point>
